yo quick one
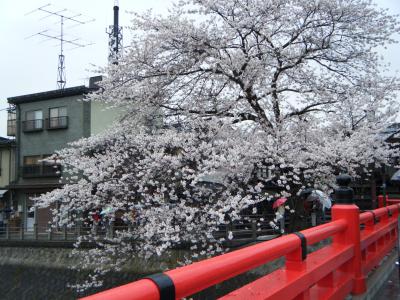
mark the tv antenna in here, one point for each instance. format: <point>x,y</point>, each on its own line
<point>65,16</point>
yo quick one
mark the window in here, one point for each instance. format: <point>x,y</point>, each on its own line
<point>34,115</point>
<point>36,166</point>
<point>30,205</point>
<point>34,120</point>
<point>31,167</point>
<point>50,167</point>
<point>30,212</point>
<point>11,122</point>
<point>58,112</point>
<point>57,118</point>
<point>32,160</point>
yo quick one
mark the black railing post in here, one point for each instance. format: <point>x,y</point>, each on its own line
<point>253,230</point>
<point>65,232</point>
<point>50,237</point>
<point>111,229</point>
<point>282,224</point>
<point>8,231</point>
<point>78,228</point>
<point>228,228</point>
<point>95,228</point>
<point>22,229</point>
<point>35,231</point>
<point>344,194</point>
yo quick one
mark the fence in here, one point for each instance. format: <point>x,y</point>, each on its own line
<point>243,232</point>
<point>252,228</point>
<point>50,233</point>
<point>359,242</point>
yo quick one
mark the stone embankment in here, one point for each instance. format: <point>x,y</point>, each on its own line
<point>38,273</point>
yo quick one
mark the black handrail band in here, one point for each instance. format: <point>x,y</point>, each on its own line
<point>389,211</point>
<point>374,216</point>
<point>165,285</point>
<point>303,241</point>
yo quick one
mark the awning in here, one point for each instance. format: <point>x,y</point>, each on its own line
<point>2,192</point>
<point>396,176</point>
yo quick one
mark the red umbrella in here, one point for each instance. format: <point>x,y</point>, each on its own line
<point>279,202</point>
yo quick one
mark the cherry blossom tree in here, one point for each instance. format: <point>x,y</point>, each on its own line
<point>213,93</point>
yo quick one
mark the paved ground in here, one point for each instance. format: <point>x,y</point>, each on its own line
<point>391,290</point>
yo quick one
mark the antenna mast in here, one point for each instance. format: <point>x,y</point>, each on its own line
<point>61,76</point>
<point>62,14</point>
<point>115,37</point>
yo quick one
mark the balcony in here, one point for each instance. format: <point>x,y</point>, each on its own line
<point>32,125</point>
<point>57,123</point>
<point>41,170</point>
<point>11,127</point>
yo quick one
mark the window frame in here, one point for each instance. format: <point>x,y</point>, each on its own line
<point>30,156</point>
<point>35,124</point>
<point>58,122</point>
<point>33,111</point>
<point>40,168</point>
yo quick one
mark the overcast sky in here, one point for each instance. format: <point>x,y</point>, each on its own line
<point>30,65</point>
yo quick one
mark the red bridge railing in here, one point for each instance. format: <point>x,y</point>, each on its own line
<point>332,272</point>
<point>384,201</point>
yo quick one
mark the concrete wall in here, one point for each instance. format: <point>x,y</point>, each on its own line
<point>47,141</point>
<point>7,159</point>
<point>102,117</point>
<point>43,273</point>
<point>4,166</point>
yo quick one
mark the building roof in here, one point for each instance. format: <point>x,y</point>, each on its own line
<point>67,92</point>
<point>5,142</point>
<point>392,133</point>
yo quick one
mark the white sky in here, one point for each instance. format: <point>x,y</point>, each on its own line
<point>30,65</point>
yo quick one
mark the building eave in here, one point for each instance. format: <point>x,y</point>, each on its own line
<point>16,186</point>
<point>68,92</point>
<point>6,143</point>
